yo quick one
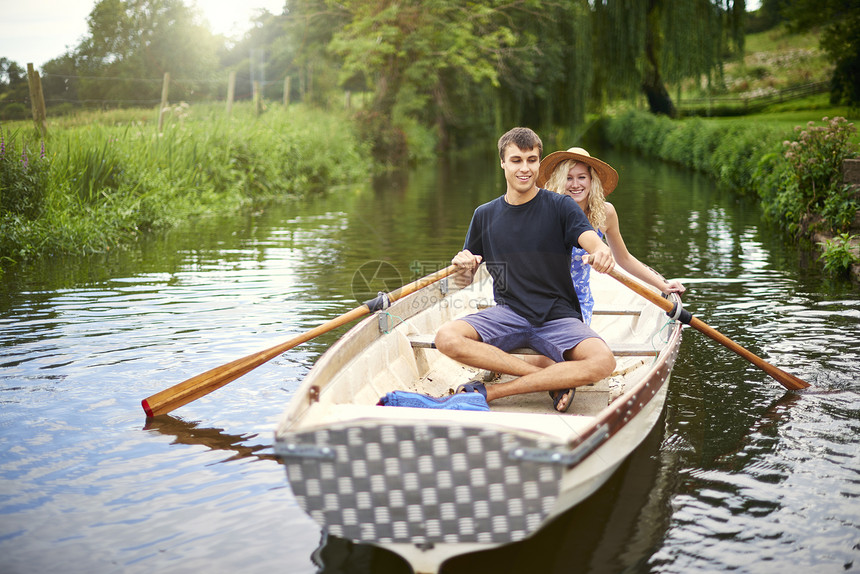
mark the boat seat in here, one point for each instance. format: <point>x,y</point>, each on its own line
<point>596,311</point>
<point>618,349</point>
<point>615,311</point>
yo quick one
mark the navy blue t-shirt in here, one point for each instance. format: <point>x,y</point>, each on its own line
<point>527,251</point>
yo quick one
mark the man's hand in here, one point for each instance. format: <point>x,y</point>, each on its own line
<point>468,263</point>
<point>599,255</point>
<point>601,261</point>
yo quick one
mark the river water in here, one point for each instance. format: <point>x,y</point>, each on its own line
<point>742,475</point>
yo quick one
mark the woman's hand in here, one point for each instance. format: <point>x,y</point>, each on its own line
<point>674,286</point>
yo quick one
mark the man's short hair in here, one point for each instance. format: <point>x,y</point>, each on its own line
<point>523,138</point>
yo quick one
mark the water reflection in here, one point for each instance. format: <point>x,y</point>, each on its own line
<point>189,433</point>
<point>758,499</point>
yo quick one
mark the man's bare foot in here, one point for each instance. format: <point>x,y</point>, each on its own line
<point>562,400</point>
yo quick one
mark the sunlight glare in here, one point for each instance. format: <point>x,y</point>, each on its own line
<point>232,17</point>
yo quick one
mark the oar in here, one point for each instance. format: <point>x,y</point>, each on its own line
<point>204,383</point>
<point>677,312</point>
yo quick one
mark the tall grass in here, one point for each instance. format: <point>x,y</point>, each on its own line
<point>103,181</point>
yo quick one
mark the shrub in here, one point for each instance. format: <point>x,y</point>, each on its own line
<point>838,254</point>
<point>23,177</point>
<point>14,111</point>
<point>728,152</point>
<point>811,181</point>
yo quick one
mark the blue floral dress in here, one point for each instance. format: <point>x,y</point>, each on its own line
<point>580,273</point>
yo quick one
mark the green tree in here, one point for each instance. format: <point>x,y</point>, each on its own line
<point>410,51</point>
<point>548,74</point>
<point>132,43</point>
<point>60,82</point>
<point>469,69</point>
<point>14,91</point>
<point>840,39</point>
<point>302,49</point>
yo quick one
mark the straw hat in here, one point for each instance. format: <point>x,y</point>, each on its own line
<point>608,176</point>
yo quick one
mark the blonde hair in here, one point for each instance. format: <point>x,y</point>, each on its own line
<point>595,209</point>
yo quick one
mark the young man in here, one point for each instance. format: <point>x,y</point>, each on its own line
<point>525,238</point>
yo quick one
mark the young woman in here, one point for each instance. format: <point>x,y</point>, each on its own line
<point>588,181</point>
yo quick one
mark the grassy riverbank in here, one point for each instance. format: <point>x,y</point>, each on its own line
<point>101,178</point>
<point>790,161</point>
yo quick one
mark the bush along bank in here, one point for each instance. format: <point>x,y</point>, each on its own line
<point>798,176</point>
<point>88,188</point>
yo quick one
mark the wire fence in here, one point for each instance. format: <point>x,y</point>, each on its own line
<point>62,91</point>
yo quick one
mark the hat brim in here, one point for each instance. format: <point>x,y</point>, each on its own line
<point>607,174</point>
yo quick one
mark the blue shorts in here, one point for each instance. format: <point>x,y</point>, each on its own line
<point>501,327</point>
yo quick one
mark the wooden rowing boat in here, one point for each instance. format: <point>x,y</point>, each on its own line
<point>429,484</point>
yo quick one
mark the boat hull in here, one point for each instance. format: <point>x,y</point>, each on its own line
<point>430,484</point>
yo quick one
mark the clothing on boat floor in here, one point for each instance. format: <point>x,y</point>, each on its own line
<point>456,402</point>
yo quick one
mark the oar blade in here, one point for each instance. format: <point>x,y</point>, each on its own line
<point>197,386</point>
<point>785,379</point>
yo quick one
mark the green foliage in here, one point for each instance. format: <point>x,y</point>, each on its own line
<point>104,184</point>
<point>14,111</point>
<point>736,156</point>
<point>419,58</point>
<point>134,42</point>
<point>799,182</point>
<point>639,46</point>
<point>729,152</point>
<point>810,183</point>
<point>14,89</point>
<point>840,38</point>
<point>839,253</point>
<point>23,177</point>
<point>462,72</point>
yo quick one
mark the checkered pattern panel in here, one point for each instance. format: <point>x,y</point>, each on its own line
<point>423,484</point>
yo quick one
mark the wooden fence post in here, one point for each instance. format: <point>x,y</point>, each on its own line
<point>37,100</point>
<point>258,98</point>
<point>231,91</point>
<point>163,107</point>
<point>286,92</point>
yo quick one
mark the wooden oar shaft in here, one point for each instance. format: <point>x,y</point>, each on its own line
<point>192,389</point>
<point>787,380</point>
<point>200,385</point>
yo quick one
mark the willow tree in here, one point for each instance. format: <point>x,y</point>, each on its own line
<point>550,81</point>
<point>643,45</point>
<point>411,52</point>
